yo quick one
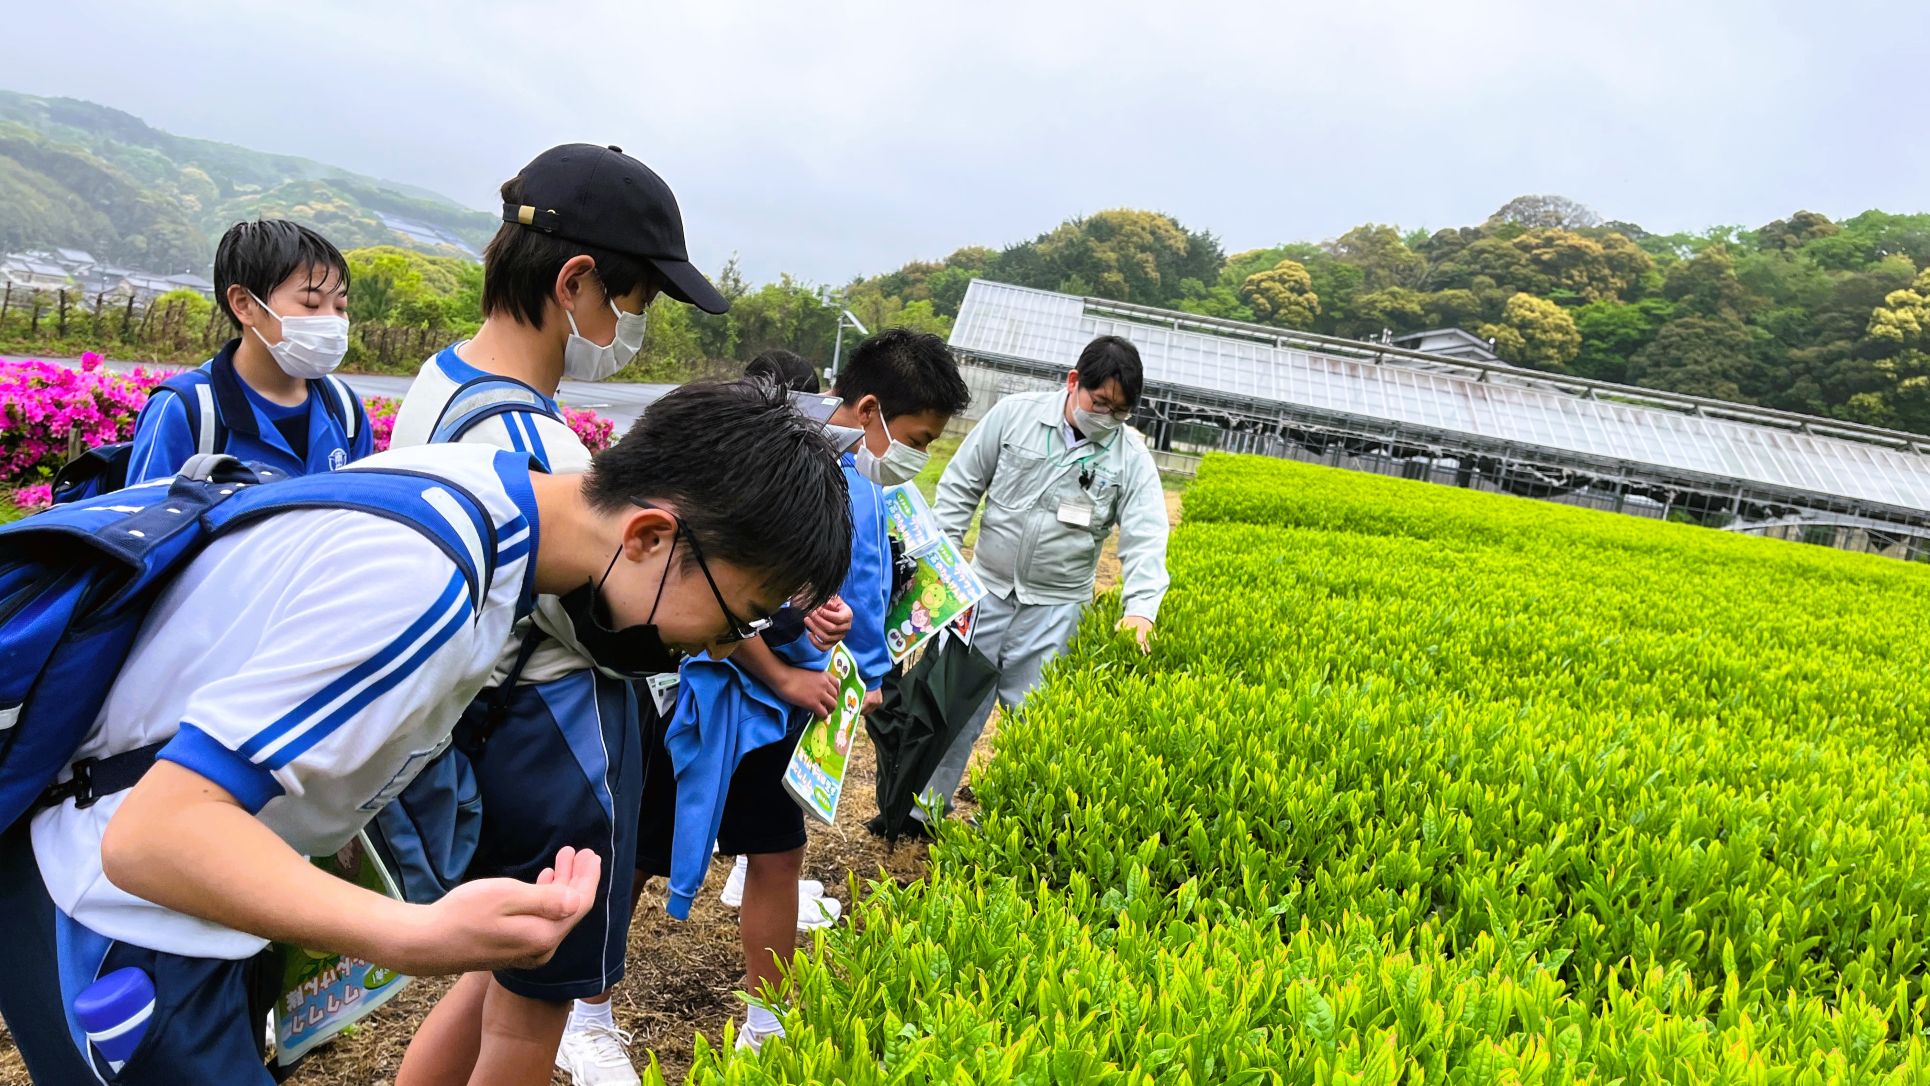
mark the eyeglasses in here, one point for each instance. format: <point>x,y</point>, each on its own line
<point>1123,414</point>
<point>740,630</point>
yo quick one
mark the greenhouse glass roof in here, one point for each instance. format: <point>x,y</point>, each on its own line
<point>1279,367</point>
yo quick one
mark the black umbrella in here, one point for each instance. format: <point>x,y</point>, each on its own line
<point>920,716</point>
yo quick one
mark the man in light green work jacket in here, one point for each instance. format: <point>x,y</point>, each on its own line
<point>1056,472</point>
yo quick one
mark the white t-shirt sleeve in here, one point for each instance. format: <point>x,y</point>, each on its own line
<point>371,638</point>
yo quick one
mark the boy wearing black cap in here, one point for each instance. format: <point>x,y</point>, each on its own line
<point>589,237</point>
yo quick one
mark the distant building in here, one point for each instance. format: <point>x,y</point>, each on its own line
<point>27,271</point>
<point>190,281</point>
<point>76,261</point>
<point>106,279</point>
<point>1452,342</point>
<point>145,286</point>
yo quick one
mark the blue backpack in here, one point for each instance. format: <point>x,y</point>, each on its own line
<point>205,396</point>
<point>77,580</point>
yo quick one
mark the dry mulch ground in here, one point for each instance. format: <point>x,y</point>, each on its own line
<point>681,976</point>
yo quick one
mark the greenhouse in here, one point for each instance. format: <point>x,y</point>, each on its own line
<point>1215,384</point>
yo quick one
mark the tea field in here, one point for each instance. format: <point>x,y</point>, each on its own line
<point>1427,785</point>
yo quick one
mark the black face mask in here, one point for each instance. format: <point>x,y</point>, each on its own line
<point>634,651</point>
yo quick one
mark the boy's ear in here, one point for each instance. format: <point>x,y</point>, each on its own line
<point>572,279</point>
<point>646,530</point>
<point>241,305</point>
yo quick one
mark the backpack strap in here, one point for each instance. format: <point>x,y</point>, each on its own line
<point>486,397</point>
<point>94,779</point>
<point>496,702</point>
<point>442,511</point>
<point>196,390</point>
<point>339,401</point>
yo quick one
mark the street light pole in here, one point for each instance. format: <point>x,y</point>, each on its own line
<point>845,317</point>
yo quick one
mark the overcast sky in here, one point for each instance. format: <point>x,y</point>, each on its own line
<point>833,139</point>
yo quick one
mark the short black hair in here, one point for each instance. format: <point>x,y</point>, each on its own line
<point>520,265</point>
<point>910,372</point>
<point>754,481</point>
<point>787,368</point>
<point>1110,357</point>
<point>261,255</point>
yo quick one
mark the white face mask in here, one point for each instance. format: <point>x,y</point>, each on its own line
<point>310,347</point>
<point>587,361</point>
<point>1093,425</point>
<point>900,464</point>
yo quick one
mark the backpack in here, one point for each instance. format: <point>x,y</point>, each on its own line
<point>486,397</point>
<point>104,470</point>
<point>77,580</point>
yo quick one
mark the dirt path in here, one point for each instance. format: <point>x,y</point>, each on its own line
<point>681,977</point>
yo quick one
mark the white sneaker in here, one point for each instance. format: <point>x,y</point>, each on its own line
<point>733,892</point>
<point>596,1055</point>
<point>817,912</point>
<point>732,895</point>
<point>750,1039</point>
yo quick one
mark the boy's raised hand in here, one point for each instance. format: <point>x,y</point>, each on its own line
<point>829,624</point>
<point>502,923</point>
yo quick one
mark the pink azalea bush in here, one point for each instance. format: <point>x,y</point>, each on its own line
<point>382,411</point>
<point>41,404</point>
<point>37,496</point>
<point>596,431</point>
<point>592,429</point>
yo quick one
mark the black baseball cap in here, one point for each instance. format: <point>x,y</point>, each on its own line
<point>602,197</point>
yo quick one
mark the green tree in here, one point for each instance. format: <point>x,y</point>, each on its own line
<point>1397,309</point>
<point>1591,270</point>
<point>1905,403</point>
<point>1124,254</point>
<point>1282,295</point>
<point>948,286</point>
<point>1904,316</point>
<point>1796,231</point>
<point>718,335</point>
<point>1869,238</point>
<point>1696,355</point>
<point>1534,332</point>
<point>1451,308</point>
<point>1706,285</point>
<point>1612,332</point>
<point>877,311</point>
<point>395,286</point>
<point>1215,301</point>
<point>1546,212</point>
<point>921,316</point>
<point>1494,264</point>
<point>672,349</point>
<point>790,314</point>
<point>1382,256</point>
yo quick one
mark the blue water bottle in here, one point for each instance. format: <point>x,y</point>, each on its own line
<point>114,1011</point>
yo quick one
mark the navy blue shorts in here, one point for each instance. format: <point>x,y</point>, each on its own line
<point>208,1012</point>
<point>565,767</point>
<point>759,814</point>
